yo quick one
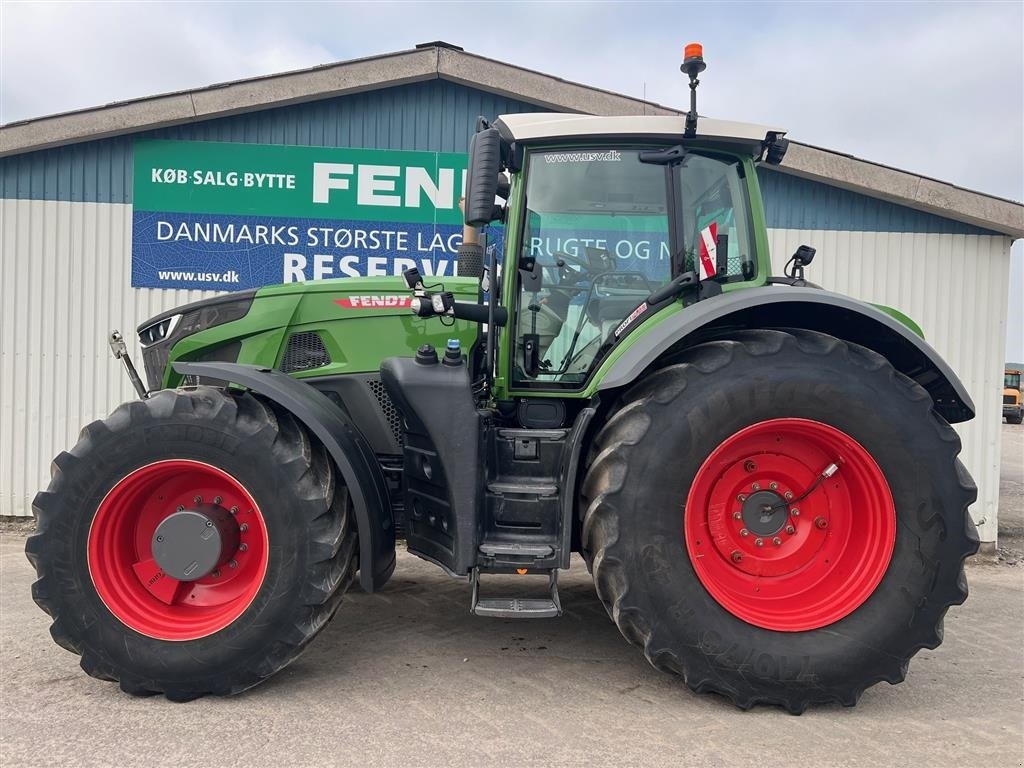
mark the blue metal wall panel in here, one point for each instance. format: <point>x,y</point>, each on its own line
<point>791,202</point>
<point>434,115</point>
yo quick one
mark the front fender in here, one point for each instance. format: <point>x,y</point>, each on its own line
<point>346,445</point>
<point>792,307</point>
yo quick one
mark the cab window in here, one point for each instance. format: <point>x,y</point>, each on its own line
<point>596,243</point>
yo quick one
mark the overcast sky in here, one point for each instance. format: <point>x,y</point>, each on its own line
<point>936,88</point>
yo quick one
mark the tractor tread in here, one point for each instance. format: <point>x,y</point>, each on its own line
<point>613,565</point>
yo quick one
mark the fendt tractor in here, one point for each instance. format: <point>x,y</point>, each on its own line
<point>760,475</point>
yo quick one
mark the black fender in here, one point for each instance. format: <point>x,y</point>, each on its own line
<point>811,309</point>
<point>346,445</point>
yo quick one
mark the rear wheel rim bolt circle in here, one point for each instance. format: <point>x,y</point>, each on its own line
<point>744,532</point>
<point>243,527</point>
<point>181,508</point>
<point>198,500</point>
<point>243,547</point>
<point>758,542</point>
<point>217,500</point>
<point>788,495</point>
<point>755,486</point>
<point>737,515</point>
<point>234,510</point>
<point>777,541</point>
<point>750,466</point>
<point>741,498</point>
<point>233,564</point>
<point>774,486</point>
<point>736,555</point>
<point>790,530</point>
<point>821,522</point>
<point>794,512</point>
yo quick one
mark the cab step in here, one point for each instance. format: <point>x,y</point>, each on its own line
<point>516,607</point>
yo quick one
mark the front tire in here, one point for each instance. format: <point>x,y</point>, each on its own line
<point>789,617</point>
<point>287,555</point>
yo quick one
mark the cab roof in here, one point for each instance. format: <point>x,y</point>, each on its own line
<point>540,127</point>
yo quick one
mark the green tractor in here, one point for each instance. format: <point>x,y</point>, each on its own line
<point>760,474</point>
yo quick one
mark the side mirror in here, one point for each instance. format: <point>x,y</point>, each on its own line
<point>482,177</point>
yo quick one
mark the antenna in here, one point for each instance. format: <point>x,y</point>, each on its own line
<point>693,64</point>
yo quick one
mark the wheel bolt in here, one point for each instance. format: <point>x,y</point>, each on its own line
<point>773,486</point>
<point>821,522</point>
<point>736,555</point>
<point>233,564</point>
<point>209,523</point>
<point>181,507</point>
<point>794,512</point>
<point>788,495</point>
<point>742,497</point>
<point>234,510</point>
<point>217,499</point>
<point>790,530</point>
<point>243,527</point>
<point>758,542</point>
<point>215,574</point>
<point>744,532</point>
<point>243,547</point>
<point>198,500</point>
<point>159,538</point>
<point>737,515</point>
<point>756,486</point>
<point>777,541</point>
<point>749,466</point>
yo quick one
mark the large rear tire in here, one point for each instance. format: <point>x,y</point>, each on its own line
<point>761,603</point>
<point>287,552</point>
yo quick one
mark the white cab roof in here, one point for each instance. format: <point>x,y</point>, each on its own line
<point>529,126</point>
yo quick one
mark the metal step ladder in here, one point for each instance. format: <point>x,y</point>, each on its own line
<point>516,607</point>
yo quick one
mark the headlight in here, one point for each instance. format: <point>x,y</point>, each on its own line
<point>159,334</point>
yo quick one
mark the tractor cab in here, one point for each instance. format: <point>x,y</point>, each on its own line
<point>606,222</point>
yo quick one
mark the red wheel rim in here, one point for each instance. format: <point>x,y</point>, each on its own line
<point>833,546</point>
<point>131,583</point>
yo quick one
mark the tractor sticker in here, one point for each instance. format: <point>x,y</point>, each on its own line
<point>629,320</point>
<point>375,302</point>
<point>708,251</point>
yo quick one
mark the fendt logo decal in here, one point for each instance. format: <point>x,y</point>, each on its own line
<point>375,302</point>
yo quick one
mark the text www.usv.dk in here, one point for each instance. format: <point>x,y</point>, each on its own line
<point>200,277</point>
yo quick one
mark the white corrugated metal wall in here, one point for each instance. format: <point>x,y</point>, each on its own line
<point>69,284</point>
<point>65,272</point>
<point>955,288</point>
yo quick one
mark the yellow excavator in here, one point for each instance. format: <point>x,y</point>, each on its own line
<point>1012,399</point>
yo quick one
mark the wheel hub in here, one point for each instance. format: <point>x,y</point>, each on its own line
<point>765,513</point>
<point>774,545</point>
<point>178,549</point>
<point>191,543</point>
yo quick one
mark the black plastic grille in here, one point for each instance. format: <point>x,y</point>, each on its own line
<point>304,351</point>
<point>387,407</point>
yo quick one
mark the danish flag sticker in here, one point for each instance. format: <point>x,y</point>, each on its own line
<point>708,251</point>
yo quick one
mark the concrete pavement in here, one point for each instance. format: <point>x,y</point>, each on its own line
<point>408,677</point>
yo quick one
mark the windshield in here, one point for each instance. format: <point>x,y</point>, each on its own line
<point>1011,380</point>
<point>596,243</point>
